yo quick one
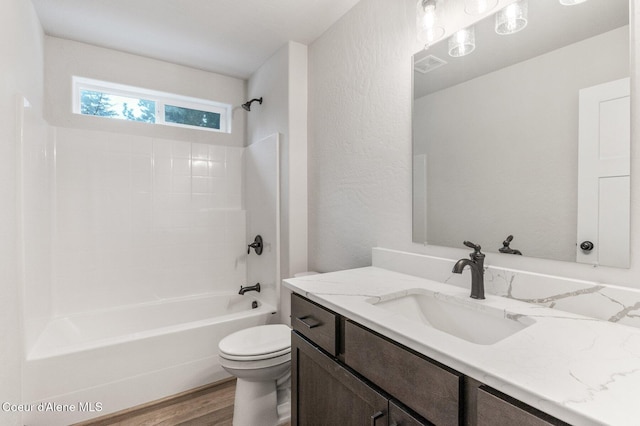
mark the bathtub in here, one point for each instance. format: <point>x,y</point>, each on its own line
<point>90,364</point>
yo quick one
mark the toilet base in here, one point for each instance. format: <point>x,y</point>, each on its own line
<point>261,403</point>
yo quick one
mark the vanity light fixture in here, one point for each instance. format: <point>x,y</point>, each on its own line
<point>478,7</point>
<point>571,2</point>
<point>512,18</point>
<point>427,26</point>
<point>462,43</point>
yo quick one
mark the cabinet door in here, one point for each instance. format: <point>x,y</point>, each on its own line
<point>325,393</point>
<point>495,409</point>
<point>429,389</point>
<point>398,416</point>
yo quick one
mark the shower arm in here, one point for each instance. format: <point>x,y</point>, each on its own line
<point>247,105</point>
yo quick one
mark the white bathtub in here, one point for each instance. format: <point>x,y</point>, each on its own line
<point>95,363</point>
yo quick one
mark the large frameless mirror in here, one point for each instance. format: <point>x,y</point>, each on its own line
<point>522,146</point>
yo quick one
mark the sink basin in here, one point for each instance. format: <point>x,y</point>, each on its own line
<point>466,319</point>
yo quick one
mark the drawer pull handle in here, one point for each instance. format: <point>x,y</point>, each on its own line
<point>310,321</point>
<point>375,417</point>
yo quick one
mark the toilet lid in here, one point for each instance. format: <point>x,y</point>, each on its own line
<point>263,340</point>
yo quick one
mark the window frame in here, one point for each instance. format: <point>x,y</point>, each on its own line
<point>80,84</point>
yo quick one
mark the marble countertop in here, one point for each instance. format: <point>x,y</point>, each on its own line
<point>582,370</point>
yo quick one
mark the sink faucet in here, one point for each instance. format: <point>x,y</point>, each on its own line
<point>476,264</point>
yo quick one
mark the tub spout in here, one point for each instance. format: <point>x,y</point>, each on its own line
<point>243,290</point>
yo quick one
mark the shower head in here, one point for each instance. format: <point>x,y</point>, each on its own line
<point>247,105</point>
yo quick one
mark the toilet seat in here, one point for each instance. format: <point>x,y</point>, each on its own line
<point>257,343</point>
<point>260,359</point>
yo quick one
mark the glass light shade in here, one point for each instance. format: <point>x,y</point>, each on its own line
<point>478,7</point>
<point>571,2</point>
<point>462,43</point>
<point>427,28</point>
<point>512,18</point>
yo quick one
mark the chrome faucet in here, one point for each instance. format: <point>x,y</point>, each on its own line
<point>476,264</point>
<point>243,290</point>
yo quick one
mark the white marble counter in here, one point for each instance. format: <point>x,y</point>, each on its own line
<point>582,370</point>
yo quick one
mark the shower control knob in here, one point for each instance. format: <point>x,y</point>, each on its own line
<point>257,245</point>
<point>586,245</point>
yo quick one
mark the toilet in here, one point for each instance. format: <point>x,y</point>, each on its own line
<point>260,358</point>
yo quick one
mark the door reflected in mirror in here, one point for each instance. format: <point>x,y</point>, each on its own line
<point>501,137</point>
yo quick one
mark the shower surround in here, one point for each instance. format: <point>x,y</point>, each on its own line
<point>117,225</point>
<point>140,219</point>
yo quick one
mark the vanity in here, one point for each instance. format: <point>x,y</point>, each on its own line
<point>369,347</point>
<point>345,373</point>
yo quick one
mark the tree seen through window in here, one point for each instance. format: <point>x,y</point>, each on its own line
<point>114,106</point>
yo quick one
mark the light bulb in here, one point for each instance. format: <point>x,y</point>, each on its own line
<point>478,7</point>
<point>462,43</point>
<point>512,18</point>
<point>571,2</point>
<point>427,28</point>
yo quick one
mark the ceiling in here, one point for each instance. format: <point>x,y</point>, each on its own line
<point>231,37</point>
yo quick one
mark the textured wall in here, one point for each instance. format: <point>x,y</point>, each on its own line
<point>360,136</point>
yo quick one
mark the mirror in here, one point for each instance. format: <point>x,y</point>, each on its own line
<point>496,136</point>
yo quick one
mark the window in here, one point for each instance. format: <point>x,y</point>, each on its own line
<point>104,99</point>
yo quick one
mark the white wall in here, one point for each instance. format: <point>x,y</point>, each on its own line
<point>360,135</point>
<point>65,58</point>
<point>282,82</point>
<point>360,146</point>
<point>21,73</point>
<point>525,171</point>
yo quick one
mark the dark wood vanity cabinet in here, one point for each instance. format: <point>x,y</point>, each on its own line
<point>432,390</point>
<point>497,409</point>
<point>345,374</point>
<point>326,393</point>
<point>315,322</point>
<point>399,416</point>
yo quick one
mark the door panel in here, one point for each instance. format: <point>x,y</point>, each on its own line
<point>603,174</point>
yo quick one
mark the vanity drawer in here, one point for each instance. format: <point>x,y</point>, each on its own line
<point>314,322</point>
<point>422,385</point>
<point>495,409</point>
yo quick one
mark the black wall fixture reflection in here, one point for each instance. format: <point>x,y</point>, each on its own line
<point>586,246</point>
<point>508,250</point>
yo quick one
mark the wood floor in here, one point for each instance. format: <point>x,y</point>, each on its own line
<point>206,406</point>
<point>210,405</point>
